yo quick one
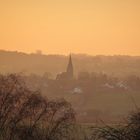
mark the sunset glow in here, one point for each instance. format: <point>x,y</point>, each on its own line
<point>78,26</point>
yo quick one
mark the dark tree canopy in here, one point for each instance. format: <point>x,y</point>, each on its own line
<point>26,115</point>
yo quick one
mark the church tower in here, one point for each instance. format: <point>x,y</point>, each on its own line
<point>68,75</point>
<point>70,69</point>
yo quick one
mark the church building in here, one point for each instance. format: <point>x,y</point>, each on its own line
<point>69,74</point>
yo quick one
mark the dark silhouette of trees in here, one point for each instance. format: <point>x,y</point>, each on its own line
<point>26,115</point>
<point>127,131</point>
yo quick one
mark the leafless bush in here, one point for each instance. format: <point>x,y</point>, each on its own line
<point>26,115</point>
<point>128,131</point>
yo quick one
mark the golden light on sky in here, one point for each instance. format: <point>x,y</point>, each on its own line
<point>79,26</point>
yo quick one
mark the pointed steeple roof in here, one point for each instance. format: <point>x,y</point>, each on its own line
<point>70,67</point>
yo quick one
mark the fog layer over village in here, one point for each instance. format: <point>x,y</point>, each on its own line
<point>98,87</point>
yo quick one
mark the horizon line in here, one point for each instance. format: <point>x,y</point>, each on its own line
<point>67,54</point>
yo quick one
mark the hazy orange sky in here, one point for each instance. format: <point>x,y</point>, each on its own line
<point>78,26</point>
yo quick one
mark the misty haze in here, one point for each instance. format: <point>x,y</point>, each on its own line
<point>69,69</point>
<point>98,87</point>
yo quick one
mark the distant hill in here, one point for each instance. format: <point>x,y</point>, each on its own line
<point>39,64</point>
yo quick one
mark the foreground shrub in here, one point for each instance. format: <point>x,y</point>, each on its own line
<point>128,131</point>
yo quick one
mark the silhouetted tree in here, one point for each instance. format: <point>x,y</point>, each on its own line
<point>26,115</point>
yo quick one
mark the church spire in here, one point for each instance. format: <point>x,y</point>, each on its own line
<point>70,68</point>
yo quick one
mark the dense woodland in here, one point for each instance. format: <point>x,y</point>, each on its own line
<point>54,64</point>
<point>94,96</point>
